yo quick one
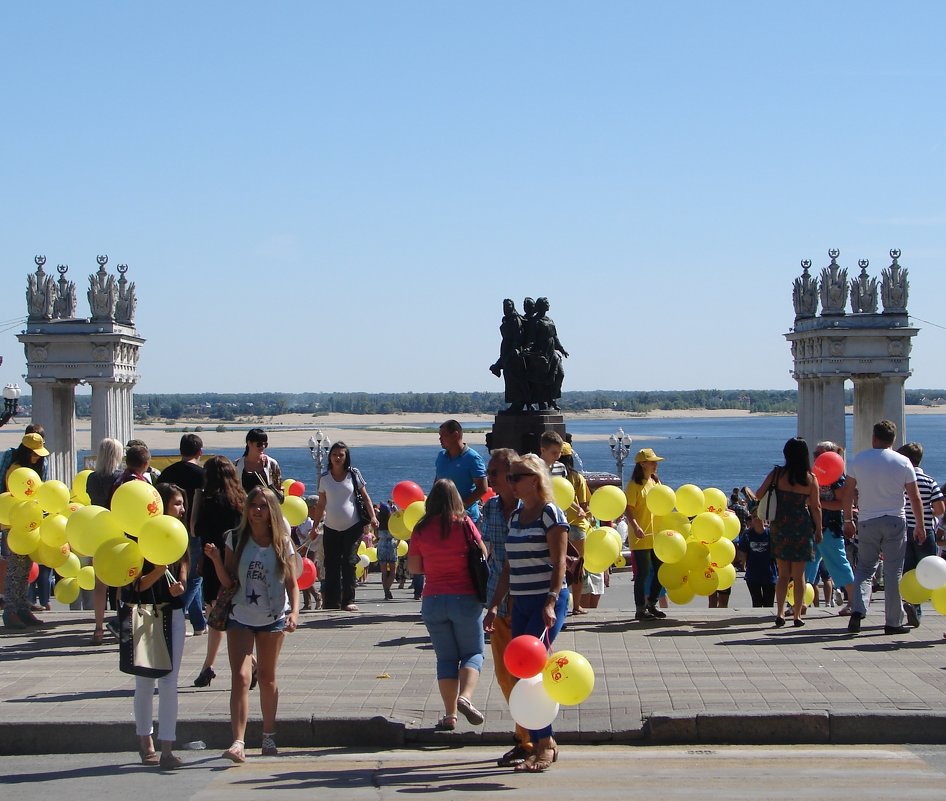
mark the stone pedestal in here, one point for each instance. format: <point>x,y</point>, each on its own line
<point>521,432</point>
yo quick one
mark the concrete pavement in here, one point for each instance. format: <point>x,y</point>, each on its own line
<point>701,676</point>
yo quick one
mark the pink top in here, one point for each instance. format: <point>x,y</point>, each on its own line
<point>446,570</point>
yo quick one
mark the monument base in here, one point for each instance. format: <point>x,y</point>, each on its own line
<point>521,431</point>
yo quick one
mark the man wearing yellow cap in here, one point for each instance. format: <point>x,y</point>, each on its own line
<point>640,523</point>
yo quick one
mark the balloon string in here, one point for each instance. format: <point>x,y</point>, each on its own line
<point>545,638</point>
<point>170,576</point>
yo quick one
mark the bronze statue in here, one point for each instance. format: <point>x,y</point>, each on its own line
<point>510,364</point>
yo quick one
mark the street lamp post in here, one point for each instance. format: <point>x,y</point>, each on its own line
<point>11,398</point>
<point>620,448</point>
<point>319,446</point>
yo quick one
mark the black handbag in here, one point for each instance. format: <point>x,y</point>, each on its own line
<point>476,561</point>
<point>364,516</point>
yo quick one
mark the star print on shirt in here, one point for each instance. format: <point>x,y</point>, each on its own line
<point>253,598</point>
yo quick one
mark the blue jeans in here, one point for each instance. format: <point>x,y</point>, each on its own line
<point>527,619</point>
<point>887,535</point>
<point>455,625</point>
<point>193,598</point>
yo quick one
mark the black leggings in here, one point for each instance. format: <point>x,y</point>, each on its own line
<point>645,593</point>
<point>341,556</point>
<point>763,593</point>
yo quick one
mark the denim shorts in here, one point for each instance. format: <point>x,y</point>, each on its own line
<point>276,625</point>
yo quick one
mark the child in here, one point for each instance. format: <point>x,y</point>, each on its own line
<point>387,551</point>
<point>755,551</point>
<point>307,539</point>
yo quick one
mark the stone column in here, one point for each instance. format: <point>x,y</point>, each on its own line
<point>894,400</point>
<point>832,411</point>
<point>806,408</point>
<point>106,412</point>
<point>54,404</point>
<point>868,408</point>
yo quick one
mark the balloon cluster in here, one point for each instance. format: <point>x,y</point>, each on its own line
<point>409,498</point>
<point>926,582</point>
<point>545,681</point>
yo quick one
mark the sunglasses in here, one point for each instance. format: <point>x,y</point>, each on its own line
<point>261,444</point>
<point>259,507</point>
<point>515,478</point>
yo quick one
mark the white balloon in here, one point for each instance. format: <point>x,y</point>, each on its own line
<point>530,705</point>
<point>364,561</point>
<point>931,572</point>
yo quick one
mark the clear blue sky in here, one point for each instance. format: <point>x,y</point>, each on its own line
<point>319,197</point>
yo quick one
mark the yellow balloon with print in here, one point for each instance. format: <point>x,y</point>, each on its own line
<point>568,677</point>
<point>294,509</point>
<point>134,504</point>
<point>26,514</point>
<point>413,514</point>
<point>808,597</point>
<point>600,550</point>
<point>697,555</point>
<point>71,508</point>
<point>24,483</point>
<point>53,496</point>
<point>672,575</point>
<point>88,527</point>
<point>118,562</point>
<point>675,521</point>
<point>732,527</point>
<point>727,576</point>
<point>70,568</point>
<point>911,590</point>
<point>66,590</point>
<point>714,500</point>
<point>707,527</point>
<point>608,503</point>
<point>620,561</point>
<point>50,555</point>
<point>163,540</point>
<point>690,500</point>
<point>23,541</point>
<point>7,502</point>
<point>683,594</point>
<point>397,527</point>
<point>53,530</point>
<point>86,577</point>
<point>660,500</point>
<point>563,492</point>
<point>705,581</point>
<point>722,552</point>
<point>669,546</point>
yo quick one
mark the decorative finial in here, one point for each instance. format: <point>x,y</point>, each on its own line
<point>834,253</point>
<point>806,264</point>
<point>39,261</point>
<point>62,269</point>
<point>122,269</point>
<point>102,260</point>
<point>863,263</point>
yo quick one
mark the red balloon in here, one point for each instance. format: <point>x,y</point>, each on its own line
<point>490,493</point>
<point>828,468</point>
<point>309,574</point>
<point>406,492</point>
<point>525,656</point>
<point>34,572</point>
<point>297,488</point>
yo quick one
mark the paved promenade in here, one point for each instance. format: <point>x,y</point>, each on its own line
<point>702,676</point>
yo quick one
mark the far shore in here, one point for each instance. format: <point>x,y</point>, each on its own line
<point>409,428</point>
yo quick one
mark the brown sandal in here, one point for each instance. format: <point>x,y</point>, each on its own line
<point>98,637</point>
<point>540,761</point>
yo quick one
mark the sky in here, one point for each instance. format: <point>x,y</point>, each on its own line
<point>325,197</point>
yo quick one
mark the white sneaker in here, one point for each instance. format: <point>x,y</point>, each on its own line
<point>838,598</point>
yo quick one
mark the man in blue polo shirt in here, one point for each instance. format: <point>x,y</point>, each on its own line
<point>463,466</point>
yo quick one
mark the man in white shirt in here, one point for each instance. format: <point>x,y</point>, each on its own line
<point>878,478</point>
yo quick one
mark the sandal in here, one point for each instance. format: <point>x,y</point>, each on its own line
<point>540,761</point>
<point>470,712</point>
<point>446,723</point>
<point>171,762</point>
<point>235,752</point>
<point>269,745</point>
<point>98,636</point>
<point>149,757</point>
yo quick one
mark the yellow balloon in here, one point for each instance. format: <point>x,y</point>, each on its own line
<point>402,548</point>
<point>568,677</point>
<point>911,590</point>
<point>90,526</point>
<point>53,530</point>
<point>669,546</point>
<point>722,552</point>
<point>23,541</point>
<point>697,555</point>
<point>675,521</point>
<point>600,550</point>
<point>714,500</point>
<point>681,595</point>
<point>563,491</point>
<point>690,500</point>
<point>614,534</point>
<point>71,507</point>
<point>608,503</point>
<point>24,482</point>
<point>660,500</point>
<point>66,590</point>
<point>163,540</point>
<point>707,527</point>
<point>359,571</point>
<point>808,597</point>
<point>620,561</point>
<point>732,527</point>
<point>50,555</point>
<point>86,578</point>
<point>705,581</point>
<point>938,596</point>
<point>70,568</point>
<point>286,484</point>
<point>27,515</point>
<point>53,496</point>
<point>294,509</point>
<point>82,498</point>
<point>7,502</point>
<point>727,576</point>
<point>372,554</point>
<point>413,513</point>
<point>397,526</point>
<point>362,547</point>
<point>79,482</point>
<point>118,562</point>
<point>134,504</point>
<point>672,575</point>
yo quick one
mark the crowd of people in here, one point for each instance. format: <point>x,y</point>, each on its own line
<point>875,521</point>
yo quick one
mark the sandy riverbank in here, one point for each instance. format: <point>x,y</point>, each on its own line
<point>294,430</point>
